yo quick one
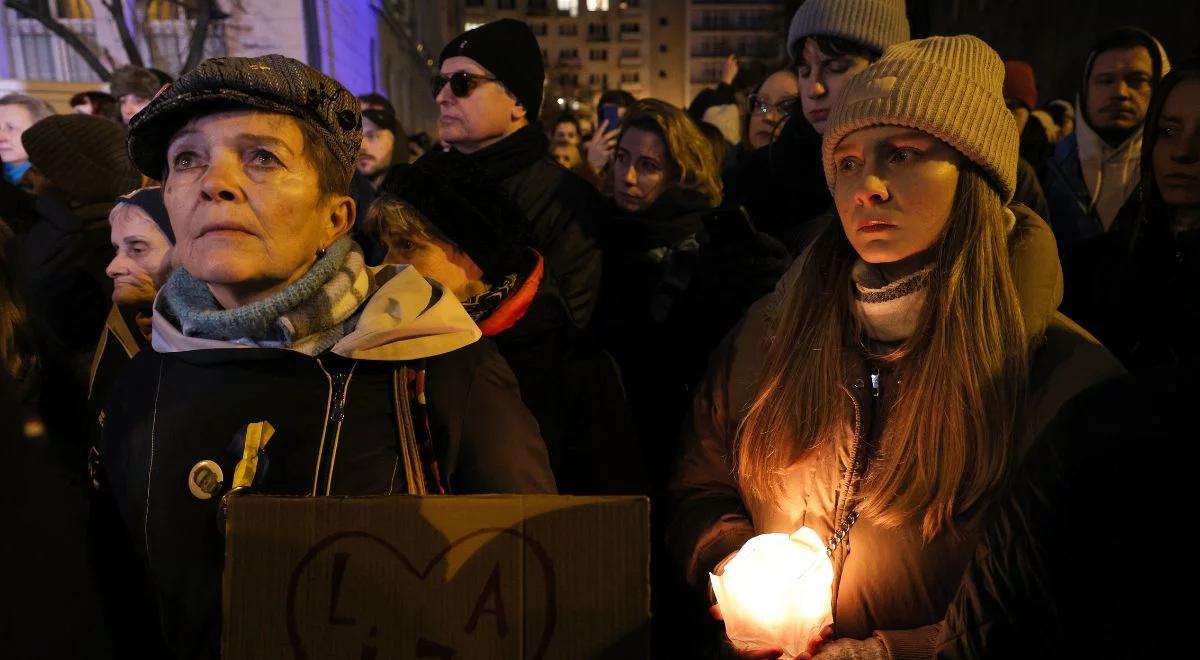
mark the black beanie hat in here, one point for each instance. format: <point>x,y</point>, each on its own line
<point>151,201</point>
<point>509,50</point>
<point>381,118</point>
<point>457,197</point>
<point>83,156</point>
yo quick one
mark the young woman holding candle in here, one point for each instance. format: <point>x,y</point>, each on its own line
<point>885,393</point>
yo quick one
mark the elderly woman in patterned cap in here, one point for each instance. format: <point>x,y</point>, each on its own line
<point>371,379</point>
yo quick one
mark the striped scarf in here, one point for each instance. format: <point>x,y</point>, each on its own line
<point>309,315</point>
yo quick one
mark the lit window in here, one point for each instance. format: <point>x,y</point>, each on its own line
<point>570,6</point>
<point>597,5</point>
<point>470,26</point>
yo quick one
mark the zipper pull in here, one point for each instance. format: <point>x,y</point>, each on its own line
<point>339,397</point>
<point>875,384</point>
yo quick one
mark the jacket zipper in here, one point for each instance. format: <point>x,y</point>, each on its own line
<point>847,481</point>
<point>341,391</point>
<point>335,413</point>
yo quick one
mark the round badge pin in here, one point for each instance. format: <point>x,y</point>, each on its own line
<point>205,479</point>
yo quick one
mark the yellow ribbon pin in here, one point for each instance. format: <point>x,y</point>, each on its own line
<point>258,434</point>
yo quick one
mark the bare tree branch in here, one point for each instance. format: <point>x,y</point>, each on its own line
<point>117,9</point>
<point>207,11</point>
<point>73,40</point>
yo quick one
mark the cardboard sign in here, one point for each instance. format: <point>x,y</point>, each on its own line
<point>497,576</point>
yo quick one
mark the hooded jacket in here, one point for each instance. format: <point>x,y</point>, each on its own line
<point>1135,286</point>
<point>888,582</point>
<point>345,424</point>
<point>1087,180</point>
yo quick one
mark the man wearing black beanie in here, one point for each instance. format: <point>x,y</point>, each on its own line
<point>489,94</point>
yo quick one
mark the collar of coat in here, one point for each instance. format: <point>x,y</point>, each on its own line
<point>526,146</point>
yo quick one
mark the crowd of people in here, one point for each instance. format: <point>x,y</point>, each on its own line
<point>884,292</point>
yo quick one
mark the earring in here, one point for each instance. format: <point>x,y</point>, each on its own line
<point>320,252</point>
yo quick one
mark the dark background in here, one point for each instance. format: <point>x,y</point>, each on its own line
<point>1054,35</point>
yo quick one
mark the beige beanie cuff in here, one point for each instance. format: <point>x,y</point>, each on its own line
<point>949,87</point>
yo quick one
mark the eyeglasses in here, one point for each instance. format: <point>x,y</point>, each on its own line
<point>761,106</point>
<point>461,83</point>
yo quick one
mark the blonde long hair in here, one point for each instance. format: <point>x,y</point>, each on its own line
<point>948,438</point>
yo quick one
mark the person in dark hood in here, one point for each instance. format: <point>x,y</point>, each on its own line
<point>1095,170</point>
<point>455,226</point>
<point>489,94</point>
<point>81,164</point>
<point>781,185</point>
<point>272,315</point>
<point>143,240</point>
<point>1135,287</point>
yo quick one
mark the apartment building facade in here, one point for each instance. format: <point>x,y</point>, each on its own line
<point>387,46</point>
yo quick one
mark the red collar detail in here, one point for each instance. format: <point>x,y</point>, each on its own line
<point>513,309</point>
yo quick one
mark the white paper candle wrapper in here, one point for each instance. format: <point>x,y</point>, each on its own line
<point>777,591</point>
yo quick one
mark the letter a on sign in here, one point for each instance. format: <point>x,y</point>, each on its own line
<point>490,602</point>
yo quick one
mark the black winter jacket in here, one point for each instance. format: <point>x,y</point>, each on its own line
<point>573,387</point>
<point>782,186</point>
<point>62,251</point>
<point>173,410</point>
<point>1137,288</point>
<point>563,210</point>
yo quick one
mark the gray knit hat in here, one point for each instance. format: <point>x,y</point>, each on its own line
<point>949,87</point>
<point>875,24</point>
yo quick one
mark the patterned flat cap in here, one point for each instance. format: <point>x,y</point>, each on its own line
<point>272,83</point>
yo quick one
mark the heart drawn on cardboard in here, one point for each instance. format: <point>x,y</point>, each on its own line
<point>339,598</point>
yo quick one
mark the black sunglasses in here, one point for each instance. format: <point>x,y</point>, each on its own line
<point>461,83</point>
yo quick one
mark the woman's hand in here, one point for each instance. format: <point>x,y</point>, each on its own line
<point>601,146</point>
<point>852,649</point>
<point>768,652</point>
<point>771,652</point>
<point>729,69</point>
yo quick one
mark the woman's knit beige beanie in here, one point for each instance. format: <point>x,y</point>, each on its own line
<point>949,87</point>
<point>875,24</point>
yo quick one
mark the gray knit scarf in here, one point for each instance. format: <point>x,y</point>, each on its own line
<point>889,311</point>
<point>310,315</point>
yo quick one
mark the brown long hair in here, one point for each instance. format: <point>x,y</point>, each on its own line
<point>948,437</point>
<point>690,160</point>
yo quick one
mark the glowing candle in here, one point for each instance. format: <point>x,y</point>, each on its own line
<point>776,591</point>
